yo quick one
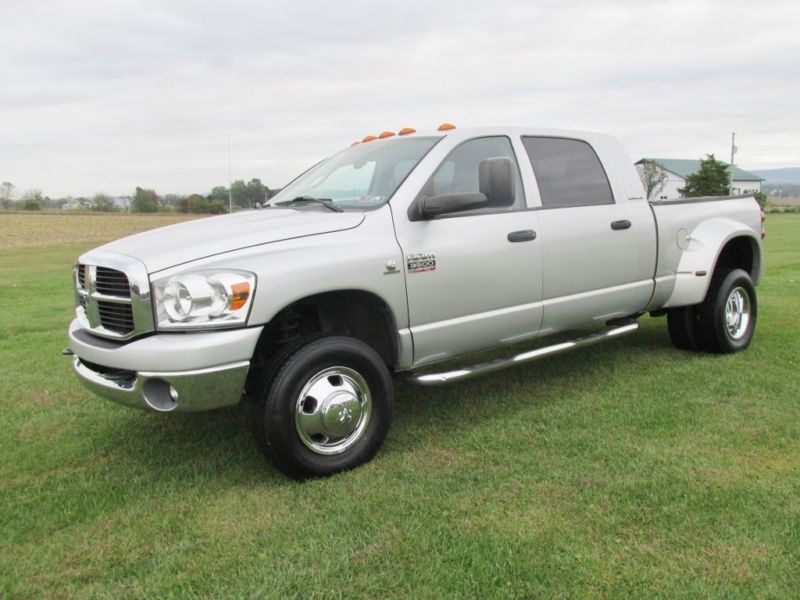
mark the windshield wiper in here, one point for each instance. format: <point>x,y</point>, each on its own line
<point>326,202</point>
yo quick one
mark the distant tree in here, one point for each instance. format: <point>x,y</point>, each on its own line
<point>653,177</point>
<point>761,198</point>
<point>220,193</point>
<point>215,207</point>
<point>240,194</point>
<point>7,194</point>
<point>711,179</point>
<point>103,203</point>
<point>256,192</point>
<point>32,200</point>
<point>144,201</point>
<point>171,199</point>
<point>200,204</point>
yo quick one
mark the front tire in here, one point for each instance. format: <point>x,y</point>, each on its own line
<point>325,408</point>
<point>727,317</point>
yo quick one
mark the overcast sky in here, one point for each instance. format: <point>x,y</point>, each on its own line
<point>107,95</point>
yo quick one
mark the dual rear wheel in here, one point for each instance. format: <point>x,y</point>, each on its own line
<point>724,322</point>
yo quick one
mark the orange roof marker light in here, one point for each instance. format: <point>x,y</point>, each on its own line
<point>385,134</point>
<point>356,143</point>
<point>406,131</point>
<point>368,138</point>
<point>446,127</point>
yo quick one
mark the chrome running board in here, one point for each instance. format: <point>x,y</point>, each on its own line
<point>525,357</point>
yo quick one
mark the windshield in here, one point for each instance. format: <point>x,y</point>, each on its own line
<point>362,177</point>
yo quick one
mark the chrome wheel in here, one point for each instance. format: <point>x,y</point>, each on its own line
<point>333,410</point>
<point>737,313</point>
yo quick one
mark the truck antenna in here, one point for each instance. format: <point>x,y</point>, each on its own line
<point>733,151</point>
<point>230,189</point>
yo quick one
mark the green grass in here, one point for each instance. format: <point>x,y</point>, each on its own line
<point>628,468</point>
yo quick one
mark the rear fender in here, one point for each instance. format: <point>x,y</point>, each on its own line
<point>701,252</point>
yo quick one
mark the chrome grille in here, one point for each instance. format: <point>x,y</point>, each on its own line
<point>111,282</point>
<point>112,294</point>
<point>116,317</point>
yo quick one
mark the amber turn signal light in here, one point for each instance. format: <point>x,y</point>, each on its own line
<point>240,292</point>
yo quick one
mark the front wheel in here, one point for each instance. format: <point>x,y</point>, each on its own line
<point>326,408</point>
<point>727,317</point>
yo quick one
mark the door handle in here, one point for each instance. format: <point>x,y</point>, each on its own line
<point>523,235</point>
<point>623,224</point>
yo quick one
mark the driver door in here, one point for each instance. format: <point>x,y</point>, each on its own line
<point>473,278</point>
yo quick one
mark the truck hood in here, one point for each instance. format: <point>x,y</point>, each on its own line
<point>184,242</point>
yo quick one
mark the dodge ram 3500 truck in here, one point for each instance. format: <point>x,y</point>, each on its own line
<point>398,253</point>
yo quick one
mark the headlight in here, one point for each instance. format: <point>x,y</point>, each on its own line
<point>202,299</point>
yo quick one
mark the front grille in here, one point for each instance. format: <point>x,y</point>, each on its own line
<point>116,317</point>
<point>111,282</point>
<point>112,296</point>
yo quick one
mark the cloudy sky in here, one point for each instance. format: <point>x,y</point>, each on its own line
<point>107,95</point>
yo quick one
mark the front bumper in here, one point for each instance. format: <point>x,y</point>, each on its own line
<point>168,372</point>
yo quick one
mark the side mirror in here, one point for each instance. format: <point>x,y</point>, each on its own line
<point>496,185</point>
<point>496,180</point>
<point>427,208</point>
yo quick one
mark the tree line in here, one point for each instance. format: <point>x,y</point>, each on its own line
<point>145,200</point>
<point>711,179</point>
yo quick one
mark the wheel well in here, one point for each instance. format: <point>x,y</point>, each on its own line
<point>357,314</point>
<point>739,253</point>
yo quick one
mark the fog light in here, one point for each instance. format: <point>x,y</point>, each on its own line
<point>159,395</point>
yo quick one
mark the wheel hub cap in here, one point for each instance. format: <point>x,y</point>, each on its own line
<point>340,414</point>
<point>737,313</point>
<point>333,410</point>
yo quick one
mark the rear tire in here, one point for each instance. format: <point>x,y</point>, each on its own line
<point>727,317</point>
<point>683,328</point>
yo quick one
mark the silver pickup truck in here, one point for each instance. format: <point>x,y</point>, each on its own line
<point>393,256</point>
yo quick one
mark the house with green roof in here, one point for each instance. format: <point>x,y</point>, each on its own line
<point>678,169</point>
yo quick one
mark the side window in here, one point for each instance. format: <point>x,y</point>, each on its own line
<point>568,172</point>
<point>459,173</point>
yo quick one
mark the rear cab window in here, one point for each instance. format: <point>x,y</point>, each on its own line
<point>568,172</point>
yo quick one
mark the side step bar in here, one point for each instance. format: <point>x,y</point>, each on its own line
<point>525,357</point>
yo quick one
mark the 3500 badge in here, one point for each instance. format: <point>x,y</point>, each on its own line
<point>420,262</point>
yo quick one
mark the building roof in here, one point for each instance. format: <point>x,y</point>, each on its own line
<point>684,167</point>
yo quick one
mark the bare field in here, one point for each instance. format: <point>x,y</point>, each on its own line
<point>46,230</point>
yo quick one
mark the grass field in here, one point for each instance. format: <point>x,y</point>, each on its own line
<point>627,469</point>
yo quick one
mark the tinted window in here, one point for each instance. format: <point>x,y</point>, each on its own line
<point>568,172</point>
<point>459,173</point>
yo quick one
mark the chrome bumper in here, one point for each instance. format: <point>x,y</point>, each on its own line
<point>166,372</point>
